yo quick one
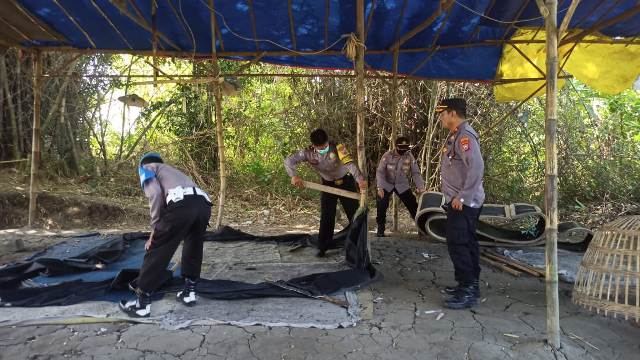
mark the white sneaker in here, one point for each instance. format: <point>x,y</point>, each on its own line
<point>133,308</point>
<point>188,298</point>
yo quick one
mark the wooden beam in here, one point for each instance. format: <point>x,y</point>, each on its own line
<point>476,30</point>
<point>551,176</point>
<point>524,6</point>
<point>115,28</point>
<point>331,190</point>
<point>73,20</point>
<point>504,117</point>
<point>15,29</point>
<point>35,138</point>
<point>292,26</point>
<point>423,25</point>
<point>601,25</point>
<point>374,3</point>
<point>248,65</point>
<point>252,17</point>
<point>360,118</point>
<point>394,128</point>
<point>396,31</point>
<point>528,59</point>
<point>218,119</point>
<point>567,18</point>
<point>41,26</point>
<point>185,26</point>
<point>142,22</point>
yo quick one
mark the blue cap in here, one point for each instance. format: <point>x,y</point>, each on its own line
<point>150,155</point>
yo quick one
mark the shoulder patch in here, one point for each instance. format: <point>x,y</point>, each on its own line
<point>343,154</point>
<point>464,143</point>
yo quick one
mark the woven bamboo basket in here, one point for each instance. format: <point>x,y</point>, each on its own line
<point>609,275</point>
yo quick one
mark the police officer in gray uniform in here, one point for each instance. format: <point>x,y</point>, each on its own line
<point>336,167</point>
<point>179,210</point>
<point>462,169</point>
<point>396,169</point>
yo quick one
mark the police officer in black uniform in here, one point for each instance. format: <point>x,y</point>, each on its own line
<point>462,169</point>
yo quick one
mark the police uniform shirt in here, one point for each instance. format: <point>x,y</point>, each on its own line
<point>462,167</point>
<point>333,165</point>
<point>395,171</point>
<point>156,188</point>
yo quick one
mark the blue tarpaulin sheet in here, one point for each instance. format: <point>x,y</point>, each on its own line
<point>463,43</point>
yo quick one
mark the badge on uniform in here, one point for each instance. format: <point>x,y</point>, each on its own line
<point>464,143</point>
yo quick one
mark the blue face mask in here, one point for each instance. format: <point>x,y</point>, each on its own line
<point>323,151</point>
<point>145,174</point>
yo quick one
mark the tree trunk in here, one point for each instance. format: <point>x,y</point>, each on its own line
<point>15,137</point>
<point>35,142</point>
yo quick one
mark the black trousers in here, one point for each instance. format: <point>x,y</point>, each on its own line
<point>328,203</point>
<point>462,242</point>
<point>382,204</point>
<point>187,219</point>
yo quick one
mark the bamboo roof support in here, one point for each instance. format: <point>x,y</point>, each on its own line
<point>360,118</point>
<point>567,18</point>
<point>327,10</point>
<point>374,4</point>
<point>394,128</point>
<point>423,25</point>
<point>108,20</point>
<point>603,24</point>
<point>142,22</point>
<point>185,26</point>
<point>292,26</point>
<point>396,31</point>
<point>520,11</point>
<point>252,16</point>
<point>528,59</point>
<point>15,29</point>
<point>42,27</point>
<point>35,139</point>
<point>73,20</point>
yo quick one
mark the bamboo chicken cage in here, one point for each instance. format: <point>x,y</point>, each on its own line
<point>608,279</point>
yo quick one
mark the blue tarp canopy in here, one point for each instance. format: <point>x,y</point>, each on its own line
<point>461,39</point>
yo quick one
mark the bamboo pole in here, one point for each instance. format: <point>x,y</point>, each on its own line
<point>362,162</point>
<point>394,129</point>
<point>331,190</point>
<point>35,140</point>
<point>218,119</point>
<point>551,178</point>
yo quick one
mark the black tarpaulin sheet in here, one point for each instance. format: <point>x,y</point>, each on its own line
<point>100,267</point>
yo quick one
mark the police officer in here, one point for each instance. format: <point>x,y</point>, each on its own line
<point>179,210</point>
<point>461,169</point>
<point>336,167</point>
<point>394,172</point>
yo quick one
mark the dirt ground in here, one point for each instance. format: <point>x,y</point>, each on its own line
<point>403,321</point>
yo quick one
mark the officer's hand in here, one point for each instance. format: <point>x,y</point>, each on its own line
<point>297,181</point>
<point>380,193</point>
<point>363,185</point>
<point>457,204</point>
<point>147,245</point>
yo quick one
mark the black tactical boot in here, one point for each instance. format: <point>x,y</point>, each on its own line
<point>380,231</point>
<point>452,290</point>
<point>321,253</point>
<point>138,308</point>
<point>188,295</point>
<point>466,297</point>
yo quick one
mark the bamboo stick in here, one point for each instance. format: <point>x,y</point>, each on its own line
<point>35,140</point>
<point>394,129</point>
<point>218,118</point>
<point>500,266</point>
<point>515,264</point>
<point>331,190</point>
<point>359,68</point>
<point>551,178</point>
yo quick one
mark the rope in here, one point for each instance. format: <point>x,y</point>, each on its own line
<point>502,21</point>
<point>224,22</point>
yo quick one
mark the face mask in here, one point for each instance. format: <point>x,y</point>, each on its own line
<point>323,151</point>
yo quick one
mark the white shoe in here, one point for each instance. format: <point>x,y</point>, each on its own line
<point>134,309</point>
<point>188,298</point>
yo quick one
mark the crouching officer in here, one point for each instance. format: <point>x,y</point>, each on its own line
<point>462,169</point>
<point>179,210</point>
<point>395,170</point>
<point>337,169</point>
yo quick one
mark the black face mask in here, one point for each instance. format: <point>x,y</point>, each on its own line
<point>401,152</point>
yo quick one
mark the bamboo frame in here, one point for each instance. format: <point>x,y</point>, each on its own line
<point>113,26</point>
<point>185,26</point>
<point>140,21</point>
<point>567,18</point>
<point>601,25</point>
<point>394,129</point>
<point>82,30</point>
<point>551,176</point>
<point>331,190</point>
<point>41,26</point>
<point>35,139</point>
<point>608,279</point>
<point>359,69</point>
<point>218,117</point>
<point>423,25</point>
<point>252,16</point>
<point>292,26</point>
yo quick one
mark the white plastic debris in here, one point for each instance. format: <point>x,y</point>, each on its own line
<point>440,316</point>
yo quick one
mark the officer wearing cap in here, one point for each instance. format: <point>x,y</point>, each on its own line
<point>461,169</point>
<point>396,169</point>
<point>179,210</point>
<point>336,167</point>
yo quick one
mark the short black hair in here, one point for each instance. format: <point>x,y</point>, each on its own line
<point>151,160</point>
<point>457,104</point>
<point>318,137</point>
